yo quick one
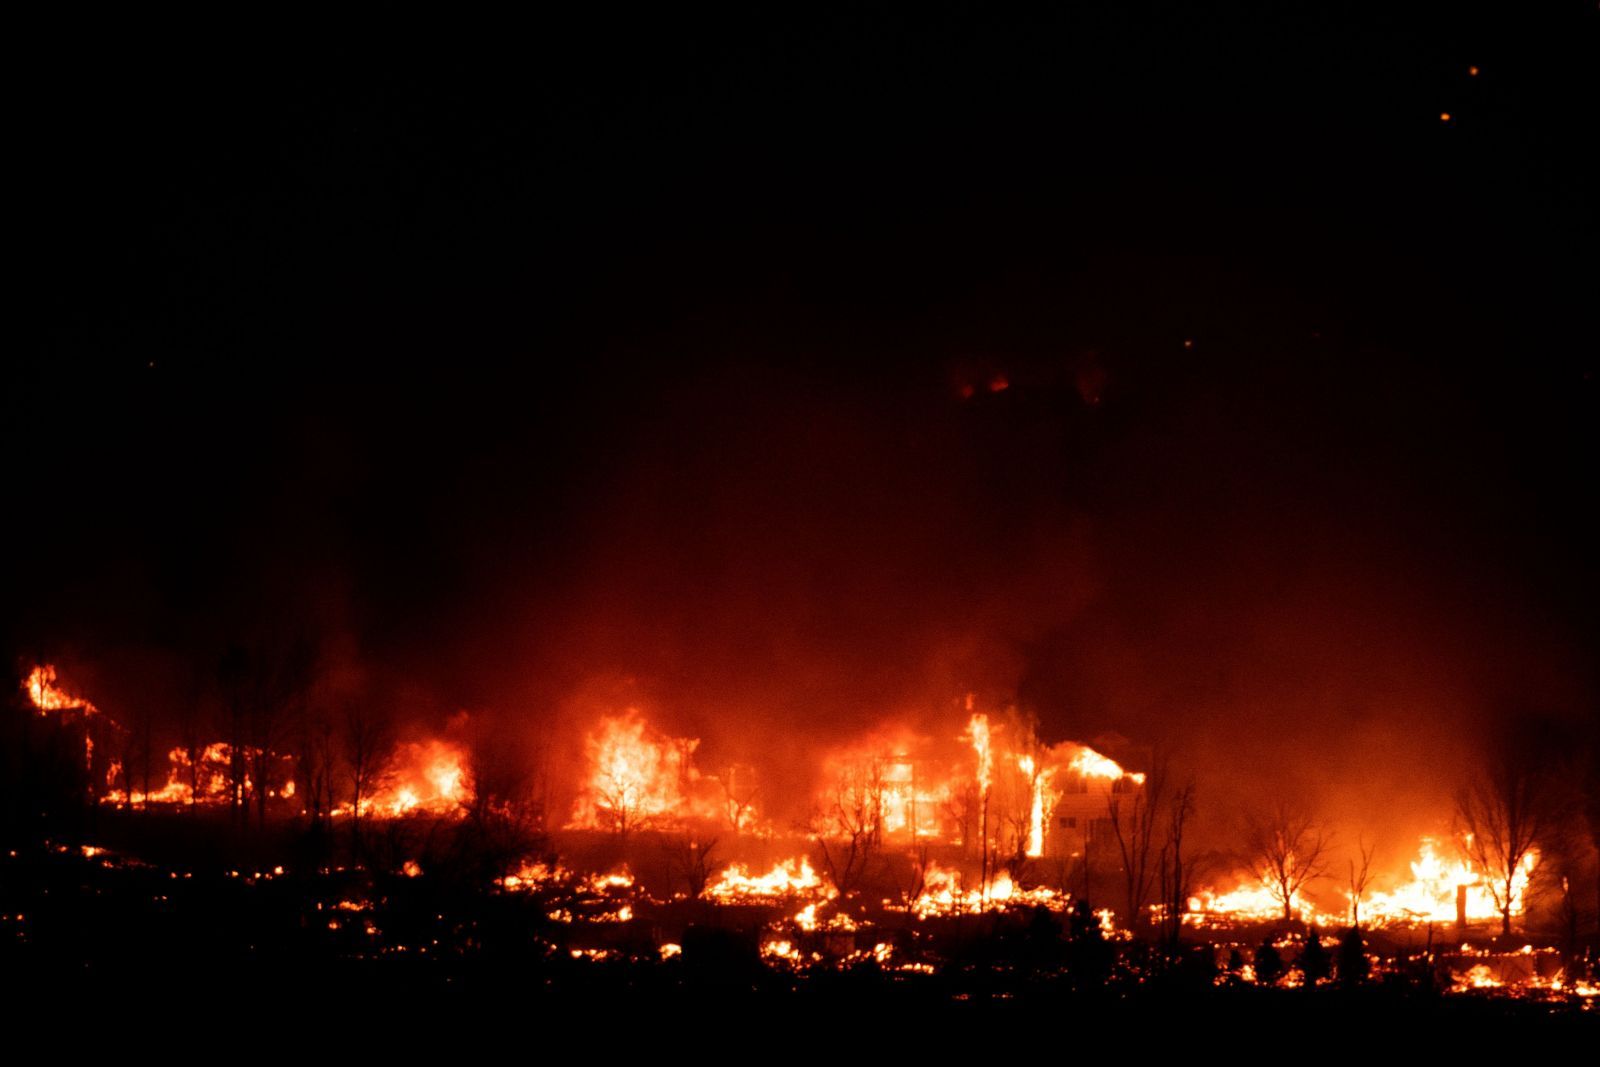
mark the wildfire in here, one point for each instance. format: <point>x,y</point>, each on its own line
<point>789,878</point>
<point>425,777</point>
<point>1431,895</point>
<point>200,779</point>
<point>1038,780</point>
<point>1436,885</point>
<point>1092,764</point>
<point>46,695</point>
<point>639,779</point>
<point>1251,901</point>
<point>943,894</point>
<point>1002,790</point>
<point>978,734</point>
<point>532,876</point>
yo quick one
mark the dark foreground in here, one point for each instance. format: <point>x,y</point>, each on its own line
<point>344,960</point>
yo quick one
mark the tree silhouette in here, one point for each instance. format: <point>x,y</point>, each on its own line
<point>1353,962</point>
<point>368,745</point>
<point>1503,814</point>
<point>1314,962</point>
<point>1360,879</point>
<point>1268,962</point>
<point>1177,870</point>
<point>849,829</point>
<point>1286,849</point>
<point>1135,820</point>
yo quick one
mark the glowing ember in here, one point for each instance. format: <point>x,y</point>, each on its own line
<point>533,876</point>
<point>618,879</point>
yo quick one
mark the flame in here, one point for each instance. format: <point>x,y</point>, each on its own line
<point>1430,895</point>
<point>1250,901</point>
<point>1036,804</point>
<point>978,734</point>
<point>788,878</point>
<point>640,779</point>
<point>943,895</point>
<point>206,782</point>
<point>531,876</point>
<point>47,695</point>
<point>425,777</point>
<point>1092,764</point>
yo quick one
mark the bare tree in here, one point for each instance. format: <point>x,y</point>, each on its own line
<point>504,806</point>
<point>191,743</point>
<point>690,860</point>
<point>261,685</point>
<point>1177,868</point>
<point>368,745</point>
<point>1135,819</point>
<point>1503,814</point>
<point>849,830</point>
<point>1286,848</point>
<point>314,763</point>
<point>739,795</point>
<point>233,677</point>
<point>1360,879</point>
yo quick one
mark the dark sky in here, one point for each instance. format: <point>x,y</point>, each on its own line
<point>626,361</point>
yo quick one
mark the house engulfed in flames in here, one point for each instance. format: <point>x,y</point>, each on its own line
<point>994,784</point>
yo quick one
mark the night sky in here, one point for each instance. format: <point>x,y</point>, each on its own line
<point>1185,377</point>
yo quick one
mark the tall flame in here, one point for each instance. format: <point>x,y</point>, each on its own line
<point>47,695</point>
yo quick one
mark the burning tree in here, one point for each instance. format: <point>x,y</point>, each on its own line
<point>1286,849</point>
<point>638,778</point>
<point>849,829</point>
<point>1504,813</point>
